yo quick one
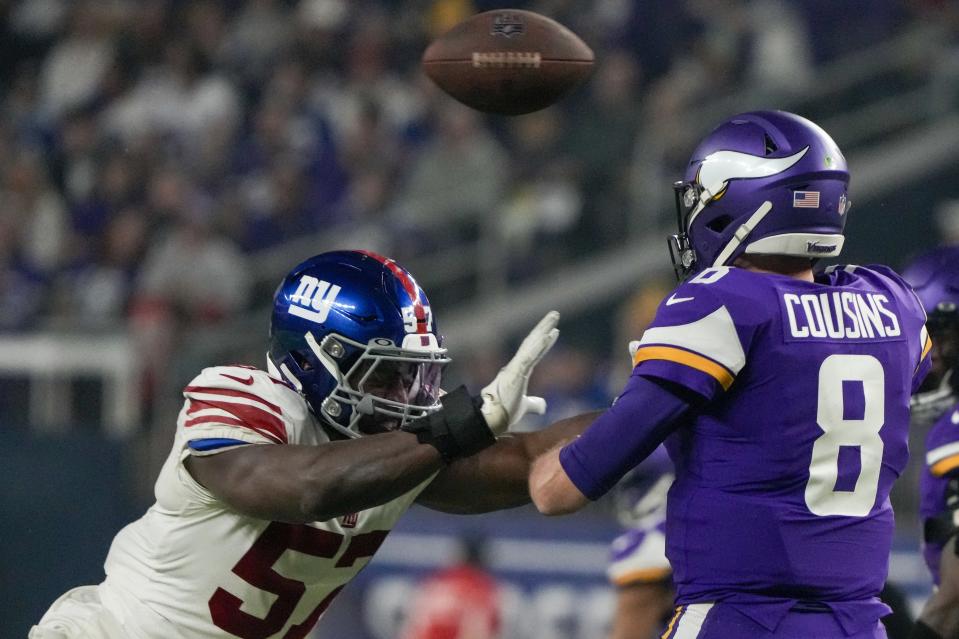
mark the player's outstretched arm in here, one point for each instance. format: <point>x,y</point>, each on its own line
<point>317,483</point>
<point>940,616</point>
<point>647,411</point>
<point>498,477</point>
<point>550,487</point>
<point>300,484</point>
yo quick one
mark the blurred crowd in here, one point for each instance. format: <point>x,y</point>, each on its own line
<point>151,146</point>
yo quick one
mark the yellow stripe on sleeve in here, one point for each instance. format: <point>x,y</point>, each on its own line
<point>686,358</point>
<point>943,466</point>
<point>925,351</point>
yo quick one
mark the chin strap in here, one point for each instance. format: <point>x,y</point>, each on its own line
<point>743,232</point>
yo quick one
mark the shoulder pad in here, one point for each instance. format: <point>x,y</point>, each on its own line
<point>239,378</point>
<point>885,277</point>
<point>243,396</point>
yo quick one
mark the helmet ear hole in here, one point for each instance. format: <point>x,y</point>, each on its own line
<point>302,361</point>
<point>720,223</point>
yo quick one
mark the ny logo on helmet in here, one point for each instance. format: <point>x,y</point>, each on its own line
<point>313,299</point>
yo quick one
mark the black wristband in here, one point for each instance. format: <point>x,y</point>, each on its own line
<point>457,430</point>
<point>922,631</point>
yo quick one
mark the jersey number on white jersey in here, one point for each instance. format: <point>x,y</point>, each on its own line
<point>256,568</point>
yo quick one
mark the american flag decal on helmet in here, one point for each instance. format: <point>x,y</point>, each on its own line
<point>805,199</point>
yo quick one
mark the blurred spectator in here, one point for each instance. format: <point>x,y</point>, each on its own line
<point>95,293</point>
<point>38,19</point>
<point>368,79</point>
<point>78,63</point>
<point>76,161</point>
<point>632,318</point>
<point>544,201</point>
<point>27,194</point>
<point>571,381</point>
<point>456,181</point>
<point>21,288</point>
<point>704,68</point>
<point>191,270</point>
<point>458,602</point>
<point>256,37</point>
<point>21,109</point>
<point>944,83</point>
<point>182,98</point>
<point>206,23</point>
<point>291,146</point>
<point>279,207</point>
<point>947,220</point>
<point>781,53</point>
<point>600,145</point>
<point>190,276</point>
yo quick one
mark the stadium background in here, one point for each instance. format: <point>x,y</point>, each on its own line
<point>165,162</point>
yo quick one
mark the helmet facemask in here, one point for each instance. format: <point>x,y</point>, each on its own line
<point>681,253</point>
<point>938,391</point>
<point>364,373</point>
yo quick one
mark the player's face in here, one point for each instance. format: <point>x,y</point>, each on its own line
<point>387,380</point>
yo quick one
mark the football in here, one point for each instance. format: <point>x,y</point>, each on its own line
<point>508,61</point>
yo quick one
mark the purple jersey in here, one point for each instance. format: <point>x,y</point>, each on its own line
<point>942,464</point>
<point>783,474</point>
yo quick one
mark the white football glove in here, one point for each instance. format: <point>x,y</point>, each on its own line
<point>633,347</point>
<point>504,399</point>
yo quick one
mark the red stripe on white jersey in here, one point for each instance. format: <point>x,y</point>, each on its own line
<point>226,392</point>
<point>231,421</point>
<point>244,415</point>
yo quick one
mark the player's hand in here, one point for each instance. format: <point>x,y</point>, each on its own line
<point>504,399</point>
<point>633,347</point>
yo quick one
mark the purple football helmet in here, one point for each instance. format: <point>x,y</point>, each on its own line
<point>935,278</point>
<point>764,182</point>
<point>347,322</point>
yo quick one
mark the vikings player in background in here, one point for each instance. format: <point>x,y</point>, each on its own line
<point>782,396</point>
<point>638,567</point>
<point>935,277</point>
<point>281,485</point>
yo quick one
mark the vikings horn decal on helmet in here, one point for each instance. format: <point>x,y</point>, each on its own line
<point>764,182</point>
<point>345,319</point>
<point>935,278</point>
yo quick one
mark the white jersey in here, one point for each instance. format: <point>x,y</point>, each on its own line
<point>192,567</point>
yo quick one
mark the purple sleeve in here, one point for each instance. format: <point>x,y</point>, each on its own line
<point>642,417</point>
